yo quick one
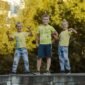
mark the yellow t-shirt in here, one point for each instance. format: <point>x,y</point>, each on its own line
<point>20,38</point>
<point>64,38</point>
<point>45,34</point>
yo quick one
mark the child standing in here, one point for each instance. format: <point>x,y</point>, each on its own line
<point>64,38</point>
<point>44,40</point>
<point>20,49</point>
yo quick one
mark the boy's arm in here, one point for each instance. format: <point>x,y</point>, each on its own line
<point>55,35</point>
<point>37,39</point>
<point>9,36</point>
<point>73,30</point>
<point>29,31</point>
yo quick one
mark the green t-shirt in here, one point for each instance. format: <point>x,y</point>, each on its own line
<point>20,38</point>
<point>64,38</point>
<point>45,34</point>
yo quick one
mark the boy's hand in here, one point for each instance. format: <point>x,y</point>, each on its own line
<point>55,36</point>
<point>29,28</point>
<point>70,29</point>
<point>37,44</point>
<point>73,30</point>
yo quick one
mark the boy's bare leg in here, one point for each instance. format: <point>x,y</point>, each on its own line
<point>39,62</point>
<point>48,64</point>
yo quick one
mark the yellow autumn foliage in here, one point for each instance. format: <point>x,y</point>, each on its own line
<point>27,17</point>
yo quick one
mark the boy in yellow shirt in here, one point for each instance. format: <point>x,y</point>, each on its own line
<point>44,42</point>
<point>64,38</point>
<point>20,50</point>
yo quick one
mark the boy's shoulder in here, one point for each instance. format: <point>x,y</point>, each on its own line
<point>65,32</point>
<point>19,33</point>
<point>50,26</point>
<point>42,26</point>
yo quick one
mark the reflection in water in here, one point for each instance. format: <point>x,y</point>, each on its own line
<point>42,80</point>
<point>14,80</point>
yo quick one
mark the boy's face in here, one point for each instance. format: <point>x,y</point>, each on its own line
<point>64,24</point>
<point>19,27</point>
<point>45,20</point>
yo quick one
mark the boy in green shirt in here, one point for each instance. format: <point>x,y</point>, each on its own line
<point>21,50</point>
<point>64,38</point>
<point>44,41</point>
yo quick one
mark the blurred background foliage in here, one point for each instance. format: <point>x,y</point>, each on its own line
<point>72,10</point>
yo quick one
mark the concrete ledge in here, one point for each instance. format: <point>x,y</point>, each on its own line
<point>43,79</point>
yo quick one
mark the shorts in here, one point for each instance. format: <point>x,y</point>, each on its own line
<point>44,50</point>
